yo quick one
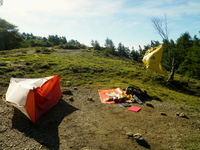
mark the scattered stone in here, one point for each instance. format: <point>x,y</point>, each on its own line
<point>181,115</point>
<point>129,134</point>
<point>149,104</point>
<point>90,99</point>
<point>163,113</point>
<point>137,136</point>
<point>75,88</point>
<point>71,98</point>
<point>140,140</point>
<point>67,92</point>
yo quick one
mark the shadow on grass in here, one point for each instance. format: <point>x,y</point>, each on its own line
<point>181,87</point>
<point>146,98</point>
<point>46,132</point>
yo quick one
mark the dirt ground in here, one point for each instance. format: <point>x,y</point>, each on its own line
<point>81,122</point>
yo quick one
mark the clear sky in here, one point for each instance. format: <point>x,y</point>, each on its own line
<point>125,21</point>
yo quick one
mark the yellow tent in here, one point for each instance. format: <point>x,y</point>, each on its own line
<point>152,59</point>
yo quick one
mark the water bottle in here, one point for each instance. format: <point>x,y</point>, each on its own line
<point>137,99</point>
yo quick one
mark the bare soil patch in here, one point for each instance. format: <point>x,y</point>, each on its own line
<point>81,122</point>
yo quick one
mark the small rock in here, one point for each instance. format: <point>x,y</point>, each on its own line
<point>129,134</point>
<point>71,98</point>
<point>163,113</point>
<point>137,136</point>
<point>140,140</point>
<point>89,99</point>
<point>67,91</point>
<point>150,105</point>
<point>75,88</point>
<point>182,114</point>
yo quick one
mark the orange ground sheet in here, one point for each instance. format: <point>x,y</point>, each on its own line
<point>105,94</point>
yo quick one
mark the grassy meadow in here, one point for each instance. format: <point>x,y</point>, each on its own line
<point>97,69</point>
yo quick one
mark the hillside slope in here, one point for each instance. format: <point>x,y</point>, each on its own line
<point>81,121</point>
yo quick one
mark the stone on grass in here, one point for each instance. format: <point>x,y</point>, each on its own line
<point>129,134</point>
<point>71,98</point>
<point>140,140</point>
<point>149,104</point>
<point>67,91</point>
<point>89,99</point>
<point>181,115</point>
<point>163,113</point>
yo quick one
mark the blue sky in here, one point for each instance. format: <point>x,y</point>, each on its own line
<point>125,21</point>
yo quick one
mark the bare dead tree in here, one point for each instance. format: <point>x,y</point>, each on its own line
<point>158,25</point>
<point>164,33</point>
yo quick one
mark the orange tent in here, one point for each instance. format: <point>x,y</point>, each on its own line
<point>34,97</point>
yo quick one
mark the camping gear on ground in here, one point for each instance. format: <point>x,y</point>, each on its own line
<point>119,95</point>
<point>115,99</point>
<point>134,90</point>
<point>35,96</point>
<point>152,59</point>
<point>112,96</point>
<point>137,99</point>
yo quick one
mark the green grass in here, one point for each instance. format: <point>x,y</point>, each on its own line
<point>93,68</point>
<point>191,142</point>
<point>100,71</point>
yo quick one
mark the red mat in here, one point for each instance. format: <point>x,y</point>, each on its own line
<point>134,108</point>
